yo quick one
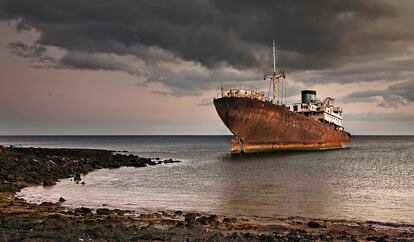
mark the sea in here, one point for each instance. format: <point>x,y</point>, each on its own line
<point>372,180</point>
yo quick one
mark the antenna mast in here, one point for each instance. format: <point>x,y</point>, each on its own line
<point>274,57</point>
<point>275,77</point>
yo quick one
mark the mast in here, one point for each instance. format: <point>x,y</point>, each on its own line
<point>274,77</point>
<point>274,57</point>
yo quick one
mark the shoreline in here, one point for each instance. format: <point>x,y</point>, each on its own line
<point>23,167</point>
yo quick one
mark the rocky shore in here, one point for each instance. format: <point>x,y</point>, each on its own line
<point>22,167</point>
<point>20,220</point>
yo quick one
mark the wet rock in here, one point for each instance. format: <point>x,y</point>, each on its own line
<point>48,182</point>
<point>249,236</point>
<point>82,211</point>
<point>138,164</point>
<point>234,237</point>
<point>208,220</point>
<point>299,235</point>
<point>171,161</point>
<point>375,238</point>
<point>103,211</point>
<point>61,199</point>
<point>179,224</point>
<point>190,217</point>
<point>263,237</point>
<point>314,224</point>
<point>178,212</point>
<point>229,220</point>
<point>119,212</point>
<point>83,183</point>
<point>77,177</point>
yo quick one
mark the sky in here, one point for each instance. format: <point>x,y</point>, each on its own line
<point>131,67</point>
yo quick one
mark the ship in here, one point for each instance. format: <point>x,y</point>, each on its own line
<point>262,123</point>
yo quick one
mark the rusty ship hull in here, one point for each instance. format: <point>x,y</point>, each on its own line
<point>261,126</point>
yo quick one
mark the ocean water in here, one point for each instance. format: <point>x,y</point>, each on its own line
<point>371,180</point>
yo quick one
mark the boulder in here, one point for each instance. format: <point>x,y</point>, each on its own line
<point>208,220</point>
<point>77,177</point>
<point>48,182</point>
<point>190,217</point>
<point>82,211</point>
<point>103,211</point>
<point>314,224</point>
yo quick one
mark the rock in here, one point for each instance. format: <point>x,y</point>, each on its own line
<point>61,199</point>
<point>170,161</point>
<point>249,236</point>
<point>208,220</point>
<point>82,211</point>
<point>178,213</point>
<point>83,183</point>
<point>119,212</point>
<point>234,237</point>
<point>314,224</point>
<point>77,177</point>
<point>229,220</point>
<point>138,164</point>
<point>179,224</point>
<point>190,217</point>
<point>48,182</point>
<point>103,211</point>
<point>375,238</point>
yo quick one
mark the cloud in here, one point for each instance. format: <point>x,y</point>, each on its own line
<point>318,41</point>
<point>205,102</point>
<point>34,52</point>
<point>372,116</point>
<point>392,97</point>
<point>95,61</point>
<point>212,32</point>
<point>394,69</point>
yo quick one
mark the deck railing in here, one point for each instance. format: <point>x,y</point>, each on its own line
<point>240,91</point>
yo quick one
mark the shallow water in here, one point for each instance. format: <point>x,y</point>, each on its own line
<point>372,180</point>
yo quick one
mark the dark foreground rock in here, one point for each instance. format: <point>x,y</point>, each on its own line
<point>51,222</point>
<point>21,221</point>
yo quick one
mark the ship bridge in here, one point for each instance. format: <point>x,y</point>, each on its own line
<point>324,111</point>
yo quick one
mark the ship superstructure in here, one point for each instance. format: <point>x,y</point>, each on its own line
<point>262,123</point>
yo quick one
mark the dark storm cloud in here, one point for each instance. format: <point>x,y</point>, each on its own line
<point>319,35</point>
<point>394,96</point>
<point>80,60</point>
